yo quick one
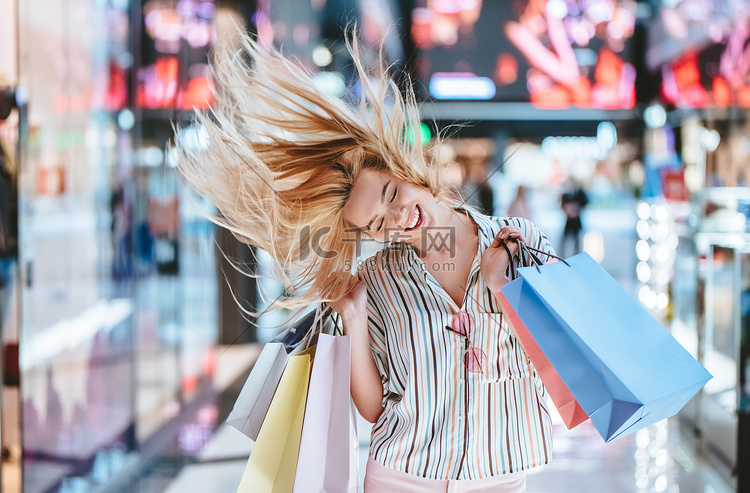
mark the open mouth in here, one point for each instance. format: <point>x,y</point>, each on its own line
<point>416,219</point>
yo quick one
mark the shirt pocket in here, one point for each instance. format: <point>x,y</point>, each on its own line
<point>506,359</point>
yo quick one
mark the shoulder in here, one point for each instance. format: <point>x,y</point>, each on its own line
<point>535,237</point>
<point>489,225</point>
<point>531,231</point>
<point>493,224</point>
<point>520,222</point>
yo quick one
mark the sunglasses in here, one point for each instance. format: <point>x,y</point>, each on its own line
<point>463,325</point>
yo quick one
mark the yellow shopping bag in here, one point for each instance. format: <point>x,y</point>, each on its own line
<point>273,461</point>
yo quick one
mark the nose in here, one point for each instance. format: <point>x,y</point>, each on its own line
<point>399,215</point>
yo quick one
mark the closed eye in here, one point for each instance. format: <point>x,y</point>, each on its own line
<point>393,197</point>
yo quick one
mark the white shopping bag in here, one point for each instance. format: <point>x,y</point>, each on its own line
<point>251,406</point>
<point>329,449</point>
<point>255,397</point>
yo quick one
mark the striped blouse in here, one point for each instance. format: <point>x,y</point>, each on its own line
<point>439,420</point>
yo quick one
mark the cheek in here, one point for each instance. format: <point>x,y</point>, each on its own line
<point>408,193</point>
<point>412,193</point>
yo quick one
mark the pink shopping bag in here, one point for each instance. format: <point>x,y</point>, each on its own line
<point>570,410</point>
<point>329,449</point>
<point>567,406</point>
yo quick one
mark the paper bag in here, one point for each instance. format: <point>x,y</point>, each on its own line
<point>329,437</point>
<point>273,461</point>
<point>624,369</point>
<point>569,409</point>
<point>251,406</point>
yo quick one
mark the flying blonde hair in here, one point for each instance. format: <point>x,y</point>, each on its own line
<point>281,156</point>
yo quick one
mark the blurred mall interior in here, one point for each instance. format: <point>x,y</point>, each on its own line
<point>123,348</point>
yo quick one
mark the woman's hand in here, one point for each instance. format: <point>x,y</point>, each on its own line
<point>354,303</point>
<point>513,232</point>
<point>495,259</point>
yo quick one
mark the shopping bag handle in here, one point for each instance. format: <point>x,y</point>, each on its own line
<point>328,311</point>
<point>536,259</point>
<point>338,328</point>
<point>524,249</point>
<point>303,330</point>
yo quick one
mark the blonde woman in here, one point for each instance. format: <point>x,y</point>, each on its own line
<point>456,404</point>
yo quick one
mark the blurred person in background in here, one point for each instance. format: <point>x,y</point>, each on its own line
<point>572,201</point>
<point>519,207</point>
<point>286,161</point>
<point>453,175</point>
<point>480,193</point>
<point>8,226</point>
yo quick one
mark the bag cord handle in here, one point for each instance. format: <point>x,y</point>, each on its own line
<point>536,259</point>
<point>327,310</point>
<point>523,250</point>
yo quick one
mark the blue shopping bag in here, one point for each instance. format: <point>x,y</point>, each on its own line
<point>620,364</point>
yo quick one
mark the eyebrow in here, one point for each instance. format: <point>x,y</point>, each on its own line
<point>382,199</point>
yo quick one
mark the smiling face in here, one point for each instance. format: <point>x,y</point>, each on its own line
<point>387,208</point>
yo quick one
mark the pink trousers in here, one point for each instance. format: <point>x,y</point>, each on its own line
<point>381,479</point>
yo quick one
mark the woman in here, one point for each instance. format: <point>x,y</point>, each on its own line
<point>457,405</point>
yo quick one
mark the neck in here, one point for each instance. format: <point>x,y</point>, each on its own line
<point>458,225</point>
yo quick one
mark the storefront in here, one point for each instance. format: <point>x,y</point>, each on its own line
<point>119,288</point>
<point>695,215</point>
<point>112,309</point>
<point>116,326</point>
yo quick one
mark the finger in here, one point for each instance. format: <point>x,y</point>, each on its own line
<point>516,233</point>
<point>508,231</point>
<point>507,251</point>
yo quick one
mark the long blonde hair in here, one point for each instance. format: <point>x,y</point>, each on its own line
<point>281,156</point>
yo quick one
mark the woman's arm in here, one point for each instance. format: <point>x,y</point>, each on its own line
<point>366,385</point>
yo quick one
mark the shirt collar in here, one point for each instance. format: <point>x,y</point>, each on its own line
<point>487,229</point>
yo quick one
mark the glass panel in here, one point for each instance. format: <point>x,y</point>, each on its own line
<point>119,285</point>
<point>744,362</point>
<point>721,344</point>
<point>685,292</point>
<point>174,250</point>
<point>76,334</point>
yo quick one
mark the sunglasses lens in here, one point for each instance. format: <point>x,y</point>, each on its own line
<point>463,324</point>
<point>474,360</point>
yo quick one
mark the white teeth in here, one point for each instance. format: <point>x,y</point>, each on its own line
<point>416,218</point>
